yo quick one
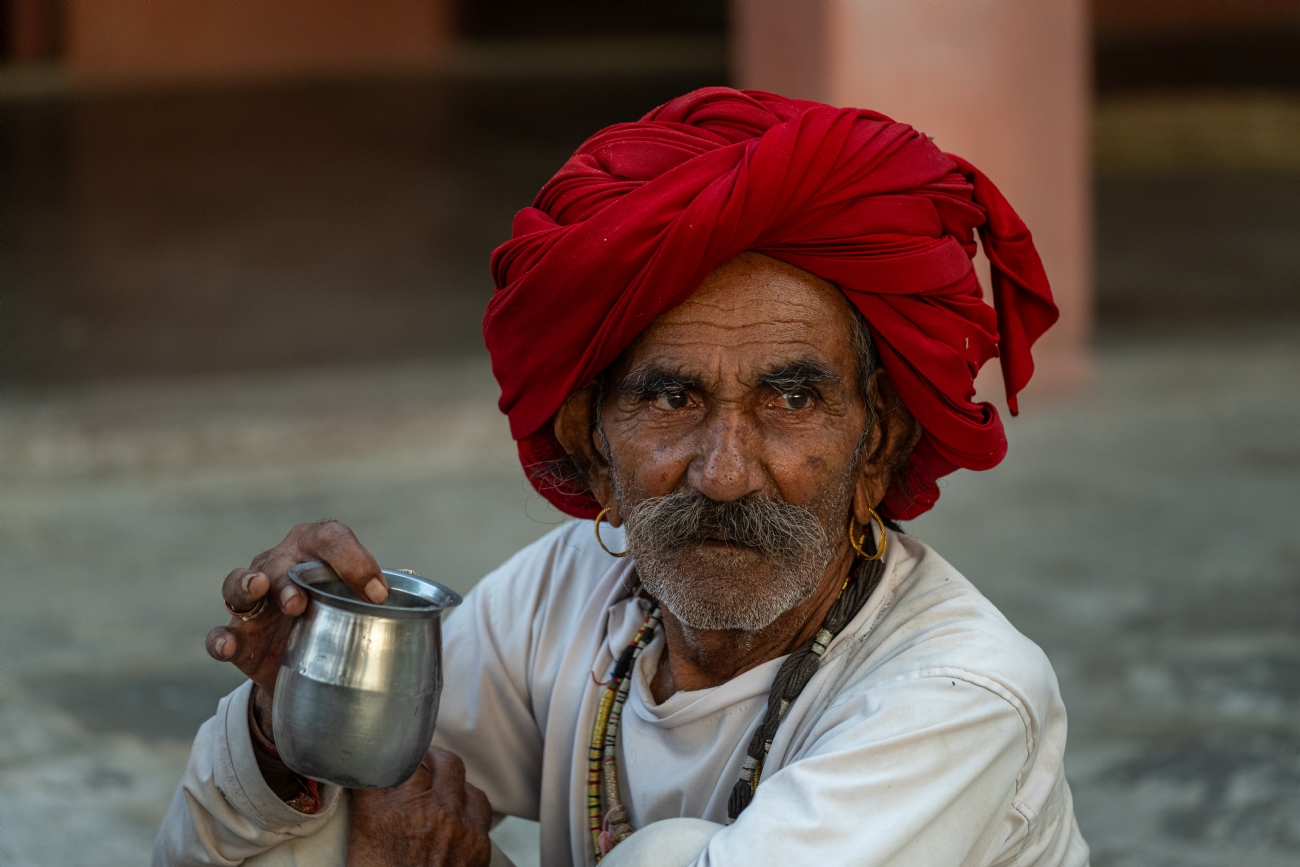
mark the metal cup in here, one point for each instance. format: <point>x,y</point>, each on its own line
<point>357,695</point>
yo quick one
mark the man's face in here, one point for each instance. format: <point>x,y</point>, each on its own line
<point>733,427</point>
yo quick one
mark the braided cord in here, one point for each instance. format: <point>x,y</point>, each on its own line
<point>608,828</point>
<point>795,673</point>
<point>593,769</point>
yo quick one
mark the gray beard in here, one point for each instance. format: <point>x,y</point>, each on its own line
<point>777,559</point>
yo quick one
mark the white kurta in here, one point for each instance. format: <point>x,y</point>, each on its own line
<point>932,734</point>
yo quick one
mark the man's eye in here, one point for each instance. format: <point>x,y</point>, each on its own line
<point>671,400</point>
<point>798,399</point>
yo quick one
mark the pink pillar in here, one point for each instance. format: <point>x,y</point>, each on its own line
<point>1003,83</point>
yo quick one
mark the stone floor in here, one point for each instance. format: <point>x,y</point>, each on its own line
<point>1143,532</point>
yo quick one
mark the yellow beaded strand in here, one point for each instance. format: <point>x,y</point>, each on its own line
<point>593,768</point>
<point>604,735</point>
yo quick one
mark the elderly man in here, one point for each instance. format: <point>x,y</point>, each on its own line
<point>741,336</point>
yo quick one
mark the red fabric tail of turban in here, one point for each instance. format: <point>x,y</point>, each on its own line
<point>643,212</point>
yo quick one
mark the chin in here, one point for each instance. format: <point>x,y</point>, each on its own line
<point>725,587</point>
<point>722,567</point>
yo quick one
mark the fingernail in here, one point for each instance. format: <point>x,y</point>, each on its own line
<point>376,592</point>
<point>287,595</point>
<point>224,648</point>
<point>247,582</point>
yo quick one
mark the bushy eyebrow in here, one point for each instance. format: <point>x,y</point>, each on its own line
<point>795,375</point>
<point>649,382</point>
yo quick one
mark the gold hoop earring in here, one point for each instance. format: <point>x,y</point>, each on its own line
<point>857,543</point>
<point>601,541</point>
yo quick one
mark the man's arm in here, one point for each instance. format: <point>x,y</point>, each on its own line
<point>494,672</point>
<point>917,771</point>
<point>231,803</point>
<point>223,811</point>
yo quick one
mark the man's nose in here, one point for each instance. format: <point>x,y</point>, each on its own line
<point>728,466</point>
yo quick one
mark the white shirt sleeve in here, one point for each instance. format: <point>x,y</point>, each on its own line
<point>503,651</point>
<point>223,812</point>
<point>486,714</point>
<point>914,771</point>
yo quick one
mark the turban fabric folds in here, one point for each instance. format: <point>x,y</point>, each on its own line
<point>637,218</point>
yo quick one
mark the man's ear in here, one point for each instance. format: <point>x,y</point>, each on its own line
<point>575,428</point>
<point>893,436</point>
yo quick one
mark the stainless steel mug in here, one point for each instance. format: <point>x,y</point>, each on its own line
<point>357,695</point>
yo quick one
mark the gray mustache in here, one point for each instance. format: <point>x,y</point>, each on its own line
<point>773,528</point>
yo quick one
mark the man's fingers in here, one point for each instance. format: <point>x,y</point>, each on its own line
<point>243,588</point>
<point>284,593</point>
<point>367,802</point>
<point>423,776</point>
<point>417,782</point>
<point>448,772</point>
<point>335,544</point>
<point>330,542</point>
<point>238,644</point>
<point>478,811</point>
<point>221,644</point>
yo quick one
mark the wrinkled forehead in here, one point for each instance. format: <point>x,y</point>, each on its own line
<point>751,313</point>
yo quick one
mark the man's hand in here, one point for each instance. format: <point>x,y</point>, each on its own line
<point>434,819</point>
<point>255,645</point>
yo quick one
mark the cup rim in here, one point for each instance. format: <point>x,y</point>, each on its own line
<point>439,597</point>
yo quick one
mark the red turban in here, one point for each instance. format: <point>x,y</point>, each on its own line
<point>643,212</point>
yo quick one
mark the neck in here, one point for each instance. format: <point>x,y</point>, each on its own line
<point>702,658</point>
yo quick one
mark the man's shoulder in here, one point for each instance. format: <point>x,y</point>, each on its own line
<point>566,565</point>
<point>932,620</point>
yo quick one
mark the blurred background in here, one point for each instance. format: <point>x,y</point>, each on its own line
<point>243,263</point>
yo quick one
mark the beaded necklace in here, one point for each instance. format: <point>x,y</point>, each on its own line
<point>611,827</point>
<point>608,820</point>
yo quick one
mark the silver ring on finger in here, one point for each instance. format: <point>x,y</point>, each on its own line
<point>252,614</point>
